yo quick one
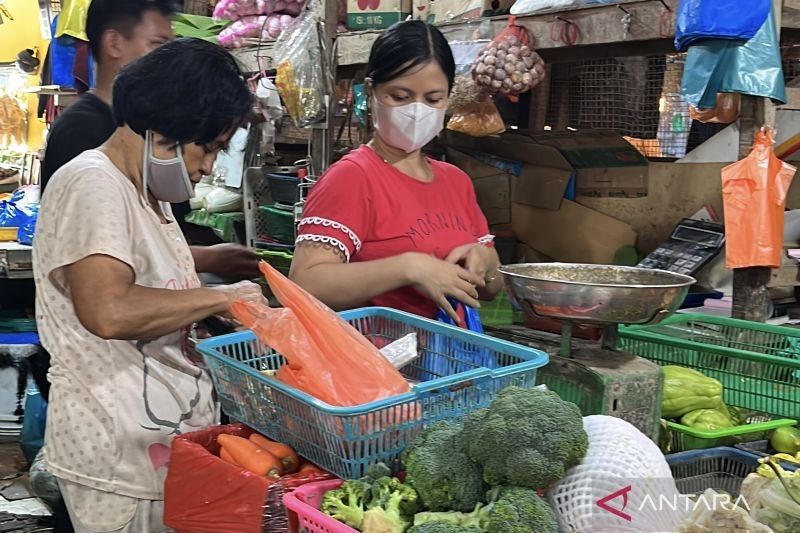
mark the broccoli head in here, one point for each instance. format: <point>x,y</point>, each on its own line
<point>391,507</point>
<point>518,510</point>
<point>346,504</point>
<point>440,471</point>
<point>527,437</point>
<point>443,527</point>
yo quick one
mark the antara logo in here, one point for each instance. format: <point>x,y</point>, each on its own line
<point>603,503</point>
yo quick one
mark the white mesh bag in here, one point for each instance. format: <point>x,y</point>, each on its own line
<point>626,469</point>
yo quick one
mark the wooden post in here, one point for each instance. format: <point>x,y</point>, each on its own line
<point>750,294</point>
<point>322,134</point>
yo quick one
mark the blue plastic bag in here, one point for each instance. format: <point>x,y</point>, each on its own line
<point>448,356</point>
<point>33,423</point>
<point>720,19</point>
<point>27,230</point>
<point>724,66</point>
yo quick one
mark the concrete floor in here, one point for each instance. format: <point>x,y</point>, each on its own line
<point>19,510</point>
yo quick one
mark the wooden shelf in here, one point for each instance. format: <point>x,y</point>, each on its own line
<point>598,25</point>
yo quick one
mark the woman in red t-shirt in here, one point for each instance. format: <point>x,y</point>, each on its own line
<point>386,225</point>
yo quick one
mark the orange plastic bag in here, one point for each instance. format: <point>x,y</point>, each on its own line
<point>326,357</point>
<point>204,494</point>
<point>754,196</point>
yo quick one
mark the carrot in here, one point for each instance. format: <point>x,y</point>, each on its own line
<point>225,455</point>
<point>251,456</point>
<point>289,458</point>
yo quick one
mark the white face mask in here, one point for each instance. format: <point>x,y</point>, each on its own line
<point>407,127</point>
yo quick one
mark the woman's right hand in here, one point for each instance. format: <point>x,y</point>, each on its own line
<point>245,291</point>
<point>439,280</point>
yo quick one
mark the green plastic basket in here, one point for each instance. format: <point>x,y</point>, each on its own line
<point>280,223</point>
<point>757,364</point>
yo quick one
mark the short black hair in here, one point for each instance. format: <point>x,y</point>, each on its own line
<point>119,15</point>
<point>188,90</point>
<point>405,45</point>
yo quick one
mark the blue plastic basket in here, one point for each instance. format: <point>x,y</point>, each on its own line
<point>346,440</point>
<point>719,468</point>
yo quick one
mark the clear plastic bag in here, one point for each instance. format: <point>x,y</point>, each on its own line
<point>301,68</point>
<point>478,119</point>
<point>472,110</point>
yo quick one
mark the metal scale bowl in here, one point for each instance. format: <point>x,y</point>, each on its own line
<point>600,295</point>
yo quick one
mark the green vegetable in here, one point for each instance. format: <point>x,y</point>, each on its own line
<point>786,440</point>
<point>443,527</point>
<point>707,420</point>
<point>519,510</point>
<point>376,503</point>
<point>527,437</point>
<point>346,504</point>
<point>438,468</point>
<point>688,390</point>
<point>391,507</point>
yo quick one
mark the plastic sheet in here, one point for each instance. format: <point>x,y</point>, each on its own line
<point>724,66</point>
<point>72,19</point>
<point>754,197</point>
<point>722,19</point>
<point>326,357</point>
<point>204,494</point>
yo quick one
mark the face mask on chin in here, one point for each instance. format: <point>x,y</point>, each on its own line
<point>167,179</point>
<point>407,127</point>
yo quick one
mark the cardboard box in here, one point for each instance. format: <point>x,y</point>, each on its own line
<point>376,14</point>
<point>493,186</point>
<point>457,10</point>
<point>543,175</point>
<point>572,234</point>
<point>602,163</point>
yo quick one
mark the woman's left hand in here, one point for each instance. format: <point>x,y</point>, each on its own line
<point>476,258</point>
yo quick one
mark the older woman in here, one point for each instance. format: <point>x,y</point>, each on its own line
<point>117,291</point>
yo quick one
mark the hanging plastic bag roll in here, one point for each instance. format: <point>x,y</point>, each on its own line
<point>326,357</point>
<point>754,197</point>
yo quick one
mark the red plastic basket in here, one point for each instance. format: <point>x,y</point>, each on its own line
<point>304,503</point>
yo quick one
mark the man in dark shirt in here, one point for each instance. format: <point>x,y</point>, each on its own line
<point>119,32</point>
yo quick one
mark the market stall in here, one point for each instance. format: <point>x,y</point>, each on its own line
<point>602,380</point>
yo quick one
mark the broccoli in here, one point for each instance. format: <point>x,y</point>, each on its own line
<point>527,437</point>
<point>517,510</point>
<point>440,471</point>
<point>443,527</point>
<point>391,508</point>
<point>346,504</point>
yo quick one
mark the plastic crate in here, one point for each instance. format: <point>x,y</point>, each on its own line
<point>346,440</point>
<point>685,438</point>
<point>719,468</point>
<point>757,364</point>
<point>304,504</point>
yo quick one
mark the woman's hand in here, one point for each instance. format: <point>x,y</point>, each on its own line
<point>244,291</point>
<point>228,261</point>
<point>439,280</point>
<point>476,258</point>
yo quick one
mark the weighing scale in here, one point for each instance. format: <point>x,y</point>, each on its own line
<point>600,379</point>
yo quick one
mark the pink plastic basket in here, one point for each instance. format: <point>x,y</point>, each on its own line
<point>304,502</point>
